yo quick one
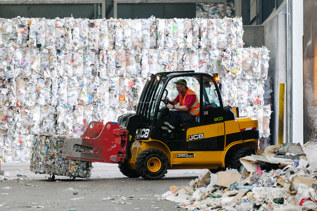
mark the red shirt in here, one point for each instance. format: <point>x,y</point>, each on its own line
<point>189,100</point>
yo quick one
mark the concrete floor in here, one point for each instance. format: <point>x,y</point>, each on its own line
<point>107,189</point>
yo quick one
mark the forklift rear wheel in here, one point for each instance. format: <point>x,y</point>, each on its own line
<point>234,159</point>
<point>151,164</point>
<point>127,171</point>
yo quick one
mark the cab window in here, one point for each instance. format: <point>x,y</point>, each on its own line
<point>210,96</point>
<point>192,83</point>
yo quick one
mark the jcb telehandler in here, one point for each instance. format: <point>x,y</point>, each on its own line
<point>215,140</point>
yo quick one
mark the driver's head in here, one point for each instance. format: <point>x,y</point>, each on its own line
<point>181,86</point>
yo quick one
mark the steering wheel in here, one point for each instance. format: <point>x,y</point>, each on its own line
<point>164,100</point>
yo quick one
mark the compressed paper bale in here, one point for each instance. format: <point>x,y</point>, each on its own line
<point>78,121</point>
<point>72,91</point>
<point>127,33</point>
<point>136,28</point>
<point>102,64</point>
<point>188,33</point>
<point>78,63</point>
<point>203,61</point>
<point>235,32</point>
<point>93,34</point>
<point>103,34</point>
<point>36,35</point>
<point>120,61</point>
<point>214,10</point>
<point>69,25</point>
<point>195,34</point>
<point>49,33</point>
<point>111,64</point>
<point>170,41</point>
<point>222,42</point>
<point>153,32</point>
<point>1,31</point>
<point>67,62</point>
<point>131,65</point>
<point>179,33</point>
<point>44,91</point>
<point>212,34</point>
<point>118,35</point>
<point>60,33</point>
<point>160,33</point>
<point>9,33</point>
<point>264,62</point>
<point>48,122</point>
<point>146,33</point>
<point>64,124</point>
<point>80,33</point>
<point>46,158</point>
<point>203,28</point>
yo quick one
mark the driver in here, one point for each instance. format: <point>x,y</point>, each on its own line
<point>185,107</point>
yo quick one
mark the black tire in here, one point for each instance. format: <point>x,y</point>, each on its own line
<point>151,164</point>
<point>233,159</point>
<point>214,171</point>
<point>127,171</point>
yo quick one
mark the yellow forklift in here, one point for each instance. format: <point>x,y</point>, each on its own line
<point>215,140</point>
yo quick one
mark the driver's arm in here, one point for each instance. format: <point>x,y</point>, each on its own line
<point>188,104</point>
<point>181,108</point>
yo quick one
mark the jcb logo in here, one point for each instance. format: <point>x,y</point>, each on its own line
<point>143,133</point>
<point>196,137</point>
<point>218,119</point>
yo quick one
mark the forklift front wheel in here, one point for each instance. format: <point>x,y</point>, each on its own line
<point>127,171</point>
<point>151,164</point>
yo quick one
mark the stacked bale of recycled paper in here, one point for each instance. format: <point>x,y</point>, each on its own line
<point>215,10</point>
<point>57,75</point>
<point>47,159</point>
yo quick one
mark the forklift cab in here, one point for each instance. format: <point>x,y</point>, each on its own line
<point>161,85</point>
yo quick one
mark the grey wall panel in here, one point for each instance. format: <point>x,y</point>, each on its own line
<point>253,36</point>
<point>158,10</point>
<point>146,10</point>
<point>275,41</point>
<point>48,10</point>
<point>180,11</point>
<point>140,10</point>
<point>310,70</point>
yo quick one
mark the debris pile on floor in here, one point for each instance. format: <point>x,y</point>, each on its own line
<point>280,178</point>
<point>46,158</point>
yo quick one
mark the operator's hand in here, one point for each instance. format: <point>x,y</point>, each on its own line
<point>170,106</point>
<point>167,100</point>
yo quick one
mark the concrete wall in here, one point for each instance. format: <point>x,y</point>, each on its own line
<point>310,66</point>
<point>253,36</point>
<point>275,41</point>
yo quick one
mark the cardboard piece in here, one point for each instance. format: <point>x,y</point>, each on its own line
<point>305,180</point>
<point>225,178</point>
<point>185,190</point>
<point>204,180</point>
<point>239,196</point>
<point>271,150</point>
<point>251,162</point>
<point>310,150</point>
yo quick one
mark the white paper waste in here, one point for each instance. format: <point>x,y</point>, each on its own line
<point>56,75</point>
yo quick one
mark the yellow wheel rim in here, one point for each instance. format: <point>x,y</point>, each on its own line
<point>154,164</point>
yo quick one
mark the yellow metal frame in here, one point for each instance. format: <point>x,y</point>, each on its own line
<point>196,159</point>
<point>201,159</point>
